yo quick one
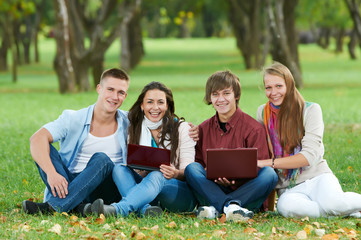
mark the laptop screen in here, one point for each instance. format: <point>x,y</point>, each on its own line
<point>147,158</point>
<point>240,163</point>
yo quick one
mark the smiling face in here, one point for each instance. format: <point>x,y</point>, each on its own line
<point>112,92</point>
<point>275,88</point>
<point>154,105</point>
<point>224,102</point>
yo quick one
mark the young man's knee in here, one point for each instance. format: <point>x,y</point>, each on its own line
<point>193,168</point>
<point>100,159</point>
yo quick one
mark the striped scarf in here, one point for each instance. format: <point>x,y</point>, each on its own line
<point>270,114</point>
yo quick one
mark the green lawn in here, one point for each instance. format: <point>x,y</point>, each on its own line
<point>331,80</point>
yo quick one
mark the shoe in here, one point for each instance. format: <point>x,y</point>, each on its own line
<point>355,215</point>
<point>153,211</point>
<point>207,212</point>
<point>84,209</point>
<point>98,207</point>
<point>30,207</point>
<point>235,213</point>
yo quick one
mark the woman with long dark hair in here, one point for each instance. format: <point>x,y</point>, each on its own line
<point>306,186</point>
<point>154,123</point>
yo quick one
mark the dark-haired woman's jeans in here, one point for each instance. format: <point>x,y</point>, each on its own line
<point>93,182</point>
<point>251,194</point>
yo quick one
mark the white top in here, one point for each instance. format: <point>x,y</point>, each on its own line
<point>92,144</point>
<point>312,145</point>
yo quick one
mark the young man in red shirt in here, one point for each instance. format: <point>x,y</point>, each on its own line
<point>229,128</point>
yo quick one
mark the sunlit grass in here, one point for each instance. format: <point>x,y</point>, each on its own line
<point>331,80</point>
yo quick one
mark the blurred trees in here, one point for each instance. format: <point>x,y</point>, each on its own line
<point>84,30</point>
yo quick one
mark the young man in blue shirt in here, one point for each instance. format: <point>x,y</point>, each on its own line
<point>91,140</point>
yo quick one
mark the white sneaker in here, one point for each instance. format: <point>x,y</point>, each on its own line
<point>235,213</point>
<point>355,215</point>
<point>208,212</point>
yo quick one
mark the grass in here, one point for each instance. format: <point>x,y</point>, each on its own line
<point>184,66</point>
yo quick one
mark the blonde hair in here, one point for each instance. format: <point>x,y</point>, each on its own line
<point>290,117</point>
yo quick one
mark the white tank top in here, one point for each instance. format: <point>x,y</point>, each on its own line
<point>92,144</point>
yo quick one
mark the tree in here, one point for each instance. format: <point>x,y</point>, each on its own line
<point>353,7</point>
<point>12,13</point>
<point>84,31</point>
<point>284,36</point>
<point>245,18</point>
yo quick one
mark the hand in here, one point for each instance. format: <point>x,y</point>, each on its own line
<point>193,132</point>
<point>261,163</point>
<point>225,182</point>
<point>58,184</point>
<point>169,172</point>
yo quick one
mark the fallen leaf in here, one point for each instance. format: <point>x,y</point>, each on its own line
<point>171,225</point>
<point>249,230</point>
<point>140,236</point>
<point>74,218</point>
<point>2,219</point>
<point>223,219</point>
<point>196,224</point>
<point>351,234</point>
<point>65,214</point>
<point>308,229</point>
<point>320,232</point>
<point>340,230</point>
<point>55,229</point>
<point>332,236</point>
<point>218,233</point>
<point>350,169</point>
<point>106,226</point>
<point>316,224</point>
<point>44,222</point>
<point>301,235</point>
<point>305,219</point>
<point>99,220</point>
<point>25,228</point>
<point>134,228</point>
<point>155,228</point>
<point>25,182</point>
<point>274,230</point>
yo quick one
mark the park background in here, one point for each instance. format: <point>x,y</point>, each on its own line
<point>178,50</point>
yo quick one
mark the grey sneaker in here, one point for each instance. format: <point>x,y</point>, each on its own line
<point>153,211</point>
<point>98,207</point>
<point>207,212</point>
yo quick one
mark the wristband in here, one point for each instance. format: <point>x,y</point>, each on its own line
<point>273,162</point>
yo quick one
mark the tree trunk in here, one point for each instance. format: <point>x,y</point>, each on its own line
<point>129,45</point>
<point>340,34</point>
<point>97,69</point>
<point>63,63</point>
<point>244,17</point>
<point>4,53</point>
<point>135,39</point>
<point>352,44</point>
<point>353,8</point>
<point>283,44</point>
<point>323,39</point>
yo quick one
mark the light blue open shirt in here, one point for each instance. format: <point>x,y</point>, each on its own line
<point>71,129</point>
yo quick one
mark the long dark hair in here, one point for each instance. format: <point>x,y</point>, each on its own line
<point>170,120</point>
<point>290,117</point>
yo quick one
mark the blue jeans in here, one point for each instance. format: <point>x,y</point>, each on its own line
<point>251,195</point>
<point>138,192</point>
<point>93,182</point>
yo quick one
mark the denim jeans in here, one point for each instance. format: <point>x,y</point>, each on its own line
<point>251,194</point>
<point>93,182</point>
<point>138,192</point>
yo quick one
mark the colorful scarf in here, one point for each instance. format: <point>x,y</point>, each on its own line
<point>270,114</point>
